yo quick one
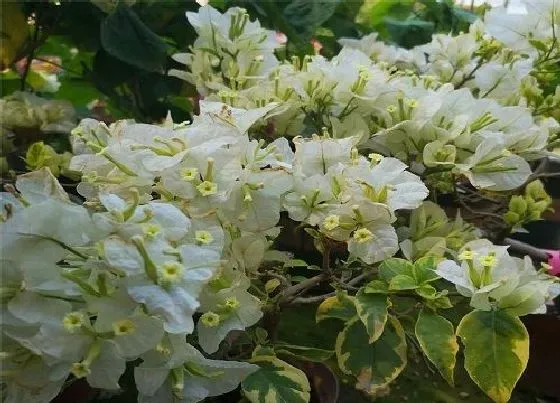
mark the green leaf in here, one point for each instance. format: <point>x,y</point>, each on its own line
<point>372,310</point>
<point>438,342</point>
<point>340,307</point>
<point>394,266</point>
<point>376,287</point>
<point>496,351</point>
<point>427,291</point>
<point>410,33</point>
<point>126,37</point>
<point>271,285</point>
<point>424,270</point>
<point>303,352</point>
<point>305,16</point>
<point>275,381</point>
<point>295,263</point>
<point>374,365</point>
<point>402,282</point>
<point>440,302</point>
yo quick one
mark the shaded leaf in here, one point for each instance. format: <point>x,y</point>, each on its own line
<point>438,342</point>
<point>126,37</point>
<point>374,365</point>
<point>306,15</point>
<point>372,310</point>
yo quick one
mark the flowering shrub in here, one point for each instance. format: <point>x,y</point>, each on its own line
<point>174,265</point>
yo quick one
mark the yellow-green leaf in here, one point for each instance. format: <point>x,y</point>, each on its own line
<point>374,365</point>
<point>392,267</point>
<point>275,381</point>
<point>340,306</point>
<point>424,270</point>
<point>402,282</point>
<point>438,342</point>
<point>372,310</point>
<point>496,351</point>
<point>271,285</point>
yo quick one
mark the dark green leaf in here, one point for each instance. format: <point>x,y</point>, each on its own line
<point>306,15</point>
<point>303,352</point>
<point>410,33</point>
<point>127,38</point>
<point>372,310</point>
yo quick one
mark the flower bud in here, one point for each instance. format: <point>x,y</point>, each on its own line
<point>210,319</point>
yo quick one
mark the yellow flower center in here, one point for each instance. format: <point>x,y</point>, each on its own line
<point>188,174</point>
<point>467,255</point>
<point>151,230</point>
<point>171,272</point>
<point>203,237</point>
<point>210,319</point>
<point>122,327</point>
<point>331,222</point>
<point>232,303</point>
<point>80,369</point>
<point>362,235</point>
<point>488,261</point>
<point>73,321</point>
<point>207,188</point>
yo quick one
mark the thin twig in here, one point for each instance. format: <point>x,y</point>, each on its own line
<point>480,213</point>
<point>522,247</point>
<point>60,66</point>
<point>356,280</point>
<point>544,175</point>
<point>30,57</point>
<point>312,300</point>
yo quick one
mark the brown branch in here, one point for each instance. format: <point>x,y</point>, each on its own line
<point>524,248</point>
<point>312,300</point>
<point>289,293</point>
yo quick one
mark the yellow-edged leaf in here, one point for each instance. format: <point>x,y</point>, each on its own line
<point>340,306</point>
<point>438,342</point>
<point>372,310</point>
<point>275,381</point>
<point>496,351</point>
<point>374,365</point>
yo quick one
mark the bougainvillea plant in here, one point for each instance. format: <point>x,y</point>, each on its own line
<point>177,264</point>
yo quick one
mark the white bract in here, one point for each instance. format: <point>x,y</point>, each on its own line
<point>493,279</point>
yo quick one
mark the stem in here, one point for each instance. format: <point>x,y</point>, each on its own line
<point>327,259</point>
<point>30,57</point>
<point>289,293</point>
<point>471,74</point>
<point>312,300</point>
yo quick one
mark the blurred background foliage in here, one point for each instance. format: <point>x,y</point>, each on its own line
<point>110,57</point>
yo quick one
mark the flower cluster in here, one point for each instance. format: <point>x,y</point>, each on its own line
<point>128,272</point>
<point>231,52</point>
<point>171,250</point>
<point>416,115</point>
<point>23,110</point>
<point>492,278</point>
